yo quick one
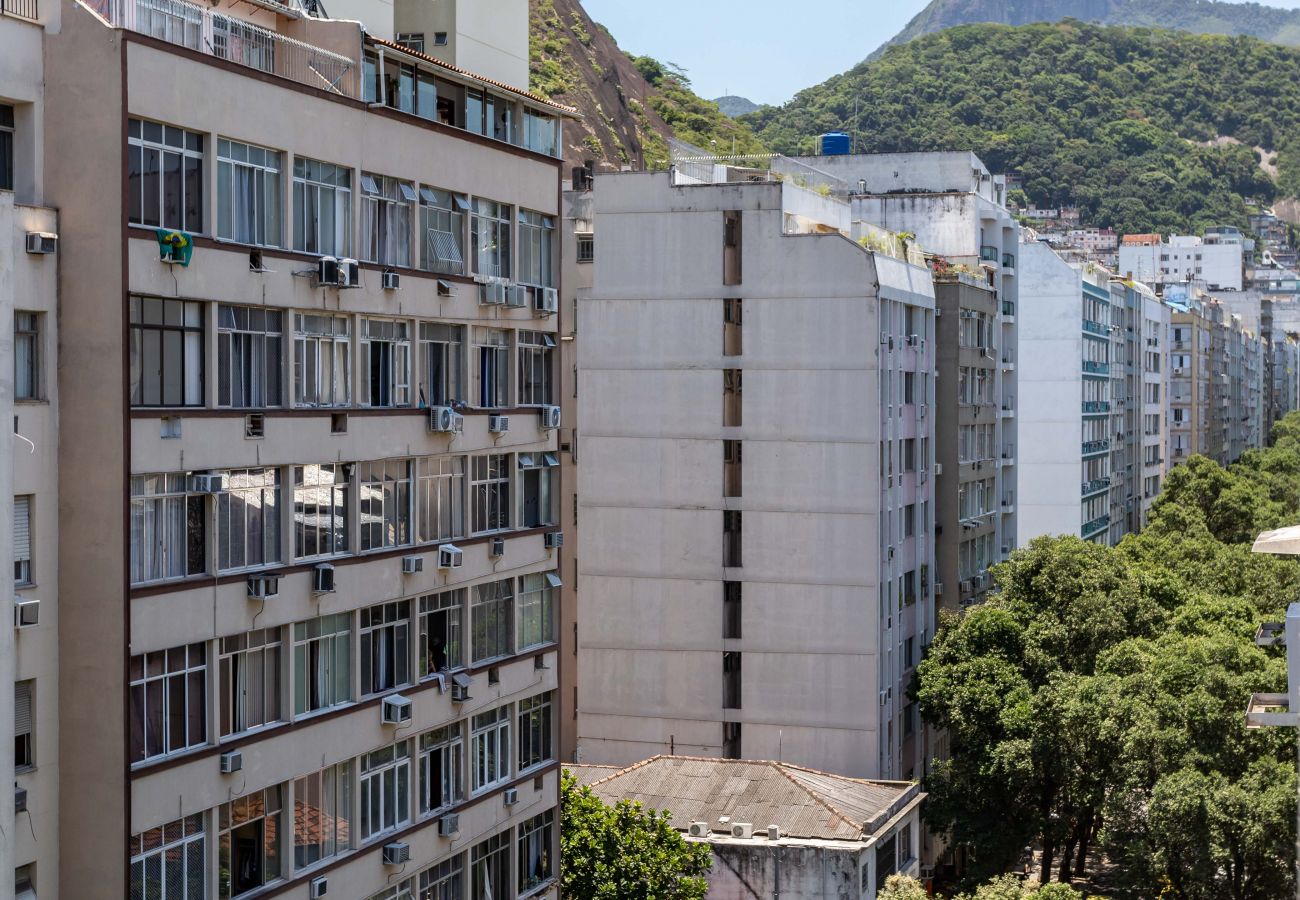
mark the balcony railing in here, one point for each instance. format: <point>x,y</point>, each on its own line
<point>1095,486</point>
<point>1091,447</point>
<point>1096,406</point>
<point>1096,525</point>
<point>234,40</point>
<point>1095,327</point>
<point>22,9</point>
<point>1096,368</point>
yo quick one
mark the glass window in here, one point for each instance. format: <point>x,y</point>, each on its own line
<point>22,540</point>
<point>27,355</point>
<point>535,718</point>
<point>24,752</point>
<point>536,848</point>
<point>386,362</point>
<point>248,194</point>
<point>249,852</point>
<point>248,519</point>
<point>535,353</point>
<point>490,744</point>
<point>6,147</point>
<point>442,222</point>
<point>536,489</point>
<point>249,676</point>
<point>386,220</point>
<point>490,493</point>
<point>537,609</point>
<point>385,489</point>
<point>321,507</point>
<point>169,690</point>
<point>322,663</point>
<point>322,360</point>
<point>490,866</point>
<point>490,238</point>
<point>441,497</point>
<point>168,529</point>
<point>166,352</point>
<point>441,353</point>
<point>492,620</point>
<point>442,768</point>
<point>322,815</point>
<point>169,862</point>
<point>441,632</point>
<point>385,789</point>
<point>445,881</point>
<point>385,646</point>
<point>322,208</point>
<point>540,133</point>
<point>248,356</point>
<point>164,176</point>
<point>536,237</point>
<point>493,351</point>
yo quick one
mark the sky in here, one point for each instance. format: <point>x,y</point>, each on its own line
<point>765,50</point>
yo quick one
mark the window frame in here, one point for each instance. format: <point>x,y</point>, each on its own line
<point>490,480</point>
<point>535,610</point>
<point>390,481</point>
<point>22,541</point>
<point>443,216</point>
<point>447,743</point>
<point>273,864</point>
<point>535,354</point>
<point>490,756</point>
<point>335,787</point>
<point>392,652</point>
<point>536,834</point>
<point>317,653</point>
<point>340,523</point>
<point>392,381</point>
<point>263,357</point>
<point>442,363</point>
<point>192,348</point>
<point>173,843</point>
<point>145,509</point>
<point>29,326</point>
<point>257,218</point>
<point>319,180</point>
<point>245,660</point>
<point>386,219</point>
<point>191,677</point>
<point>269,500</point>
<point>492,621</point>
<point>190,168</point>
<point>452,604</point>
<point>536,742</point>
<point>491,241</point>
<point>439,502</point>
<point>393,775</point>
<point>339,344</point>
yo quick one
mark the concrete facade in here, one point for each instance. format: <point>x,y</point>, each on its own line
<point>1217,259</point>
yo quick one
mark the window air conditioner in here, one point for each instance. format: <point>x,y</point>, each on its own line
<point>318,888</point>
<point>445,419</point>
<point>554,540</point>
<point>510,796</point>
<point>231,761</point>
<point>349,273</point>
<point>449,825</point>
<point>26,613</point>
<point>744,830</point>
<point>262,587</point>
<point>913,340</point>
<point>20,799</point>
<point>397,853</point>
<point>327,271</point>
<point>884,696</point>
<point>460,683</point>
<point>498,424</point>
<point>323,579</point>
<point>392,281</point>
<point>547,300</point>
<point>699,830</point>
<point>549,418</point>
<point>210,483</point>
<point>938,588</point>
<point>517,296</point>
<point>938,469</point>
<point>42,242</point>
<point>396,710</point>
<point>497,547</point>
<point>450,556</point>
<point>492,293</point>
<point>412,564</point>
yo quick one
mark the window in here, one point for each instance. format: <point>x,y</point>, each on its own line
<point>249,852</point>
<point>168,862</point>
<point>322,815</point>
<point>536,472</point>
<point>164,176</point>
<point>490,493</point>
<point>535,730</point>
<point>441,348</point>
<point>490,866</point>
<point>490,744</point>
<point>248,519</point>
<point>493,367</point>
<point>445,881</point>
<point>536,256</point>
<point>322,663</point>
<point>441,632</point>
<point>536,843</point>
<point>248,194</point>
<point>440,38</point>
<point>535,351</point>
<point>385,789</point>
<point>492,621</point>
<point>586,250</point>
<point>249,675</point>
<point>731,740</point>
<point>7,147</point>
<point>411,39</point>
<point>166,352</point>
<point>731,247</point>
<point>168,529</point>
<point>732,471</point>
<point>442,221</point>
<point>731,610</point>
<point>321,507</point>
<point>248,356</point>
<point>322,360</point>
<point>540,135</point>
<point>27,356</point>
<point>731,537</point>
<point>24,754</point>
<point>731,397</point>
<point>385,646</point>
<point>168,693</point>
<point>22,540</point>
<point>537,609</point>
<point>731,680</point>
<point>386,362</point>
<point>386,220</point>
<point>322,208</point>
<point>441,497</point>
<point>489,227</point>
<point>732,326</point>
<point>385,502</point>
<point>442,768</point>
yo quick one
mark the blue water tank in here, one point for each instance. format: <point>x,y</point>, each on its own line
<point>835,143</point>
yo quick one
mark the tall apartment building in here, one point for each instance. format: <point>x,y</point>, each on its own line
<point>1217,259</point>
<point>307,561</point>
<point>755,485</point>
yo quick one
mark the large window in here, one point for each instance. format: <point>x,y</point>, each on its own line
<point>490,492</point>
<point>385,789</point>
<point>248,194</point>
<point>445,881</point>
<point>385,646</point>
<point>168,862</point>
<point>489,864</point>
<point>490,238</point>
<point>322,360</point>
<point>248,519</point>
<point>537,609</point>
<point>164,176</point>
<point>536,259</point>
<point>540,132</point>
<point>169,690</point>
<point>492,620</point>
<point>441,349</point>
<point>442,768</point>
<point>322,208</point>
<point>385,503</point>
<point>386,362</point>
<point>322,815</point>
<point>536,847</point>
<point>168,529</point>
<point>493,351</point>
<point>490,745</point>
<point>166,352</point>
<point>249,675</point>
<point>27,356</point>
<point>441,632</point>
<point>24,752</point>
<point>386,220</point>
<point>535,718</point>
<point>249,356</point>
<point>441,497</point>
<point>536,474</point>
<point>322,663</point>
<point>249,854</point>
<point>321,503</point>
<point>535,351</point>
<point>442,221</point>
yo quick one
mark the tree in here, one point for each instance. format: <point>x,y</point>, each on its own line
<point>902,887</point>
<point>625,852</point>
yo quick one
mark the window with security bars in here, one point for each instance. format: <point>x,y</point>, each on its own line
<point>535,720</point>
<point>586,247</point>
<point>442,768</point>
<point>440,497</point>
<point>169,691</point>
<point>442,349</point>
<point>442,223</point>
<point>536,851</point>
<point>248,194</point>
<point>248,672</point>
<point>22,540</point>
<point>386,205</point>
<point>164,172</point>
<point>249,356</point>
<point>322,663</point>
<point>322,207</point>
<point>248,519</point>
<point>169,862</point>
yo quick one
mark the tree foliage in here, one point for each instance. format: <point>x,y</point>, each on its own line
<point>625,852</point>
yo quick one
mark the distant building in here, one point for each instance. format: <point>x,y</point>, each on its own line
<point>1217,259</point>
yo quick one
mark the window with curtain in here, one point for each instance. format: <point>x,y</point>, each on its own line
<point>489,864</point>
<point>248,520</point>
<point>385,647</point>
<point>441,356</point>
<point>249,356</point>
<point>492,348</point>
<point>536,851</point>
<point>492,621</point>
<point>168,529</point>
<point>322,663</point>
<point>166,352</point>
<point>251,832</point>
<point>385,503</point>
<point>322,207</point>
<point>169,690</point>
<point>249,678</point>
<point>27,355</point>
<point>441,497</point>
<point>322,815</point>
<point>386,362</point>
<point>489,228</point>
<point>442,223</point>
<point>248,194</point>
<point>386,205</point>
<point>442,765</point>
<point>322,360</point>
<point>164,176</point>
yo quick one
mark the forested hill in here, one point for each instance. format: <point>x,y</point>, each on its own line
<point>1200,16</point>
<point>1144,130</point>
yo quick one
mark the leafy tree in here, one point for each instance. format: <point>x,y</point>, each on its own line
<point>625,852</point>
<point>902,887</point>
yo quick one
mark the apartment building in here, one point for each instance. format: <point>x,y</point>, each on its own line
<point>1217,259</point>
<point>312,329</point>
<point>1149,360</point>
<point>755,485</point>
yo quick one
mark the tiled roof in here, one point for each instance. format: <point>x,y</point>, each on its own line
<point>804,803</point>
<point>588,774</point>
<point>1141,239</point>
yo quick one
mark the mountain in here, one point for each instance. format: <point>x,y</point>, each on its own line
<point>1143,130</point>
<point>1199,16</point>
<point>629,105</point>
<point>734,106</point>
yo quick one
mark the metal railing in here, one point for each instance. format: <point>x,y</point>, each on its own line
<point>22,9</point>
<point>1095,327</point>
<point>234,40</point>
<point>1096,368</point>
<point>1096,525</point>
<point>1096,406</point>
<point>1094,486</point>
<point>1091,447</point>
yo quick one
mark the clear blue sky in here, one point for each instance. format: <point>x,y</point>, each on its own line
<point>765,50</point>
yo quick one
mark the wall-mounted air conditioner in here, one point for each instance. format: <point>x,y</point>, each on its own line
<point>263,587</point>
<point>412,565</point>
<point>446,420</point>
<point>395,710</point>
<point>498,424</point>
<point>231,761</point>
<point>548,418</point>
<point>450,556</point>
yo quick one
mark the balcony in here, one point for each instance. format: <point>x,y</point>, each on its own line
<point>1096,406</point>
<point>1095,368</point>
<point>1008,504</point>
<point>1096,526</point>
<point>1096,486</point>
<point>19,9</point>
<point>1091,327</point>
<point>988,254</point>
<point>1008,409</point>
<point>1091,448</point>
<point>1008,456</point>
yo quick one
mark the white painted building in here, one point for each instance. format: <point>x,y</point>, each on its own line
<point>1217,259</point>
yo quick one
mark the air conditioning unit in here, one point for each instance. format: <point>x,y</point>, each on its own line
<point>391,280</point>
<point>322,579</point>
<point>349,273</point>
<point>42,242</point>
<point>965,586</point>
<point>554,540</point>
<point>210,483</point>
<point>26,613</point>
<point>231,761</point>
<point>449,825</point>
<point>885,695</point>
<point>262,587</point>
<point>938,469</point>
<point>510,796</point>
<point>395,710</point>
<point>498,424</point>
<point>913,340</point>
<point>938,588</point>
<point>445,419</point>
<point>412,564</point>
<point>774,832</point>
<point>327,271</point>
<point>493,293</point>
<point>450,556</point>
<point>497,547</point>
<point>744,830</point>
<point>517,296</point>
<point>548,417</point>
<point>699,830</point>
<point>396,853</point>
<point>20,799</point>
<point>318,887</point>
<point>460,683</point>
<point>547,301</point>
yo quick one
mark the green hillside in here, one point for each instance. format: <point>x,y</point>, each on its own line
<point>1144,130</point>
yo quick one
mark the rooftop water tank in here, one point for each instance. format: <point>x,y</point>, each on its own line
<point>835,143</point>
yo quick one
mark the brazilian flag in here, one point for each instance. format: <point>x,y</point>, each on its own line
<point>175,246</point>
